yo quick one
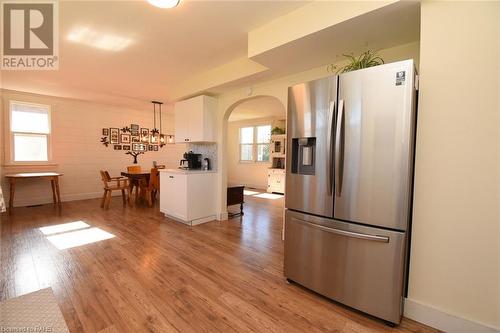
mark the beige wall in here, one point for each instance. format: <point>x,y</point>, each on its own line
<point>248,174</point>
<point>227,102</point>
<point>76,148</point>
<point>455,262</point>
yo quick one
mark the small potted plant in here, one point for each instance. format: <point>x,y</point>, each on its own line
<point>364,60</point>
<point>277,130</point>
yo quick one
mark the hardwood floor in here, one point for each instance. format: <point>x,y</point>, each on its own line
<point>157,275</point>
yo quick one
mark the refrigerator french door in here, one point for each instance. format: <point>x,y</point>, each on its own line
<point>374,145</point>
<point>351,244</point>
<point>311,107</point>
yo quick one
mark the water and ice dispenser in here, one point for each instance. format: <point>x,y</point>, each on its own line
<point>304,156</point>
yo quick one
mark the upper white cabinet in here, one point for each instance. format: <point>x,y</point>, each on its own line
<point>195,120</point>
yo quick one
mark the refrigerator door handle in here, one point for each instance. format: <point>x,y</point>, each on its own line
<point>339,149</point>
<point>330,148</point>
<point>375,238</point>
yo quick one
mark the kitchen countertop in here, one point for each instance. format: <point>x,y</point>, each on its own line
<point>186,172</point>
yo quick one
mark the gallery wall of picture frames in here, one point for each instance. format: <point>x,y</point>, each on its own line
<point>134,140</point>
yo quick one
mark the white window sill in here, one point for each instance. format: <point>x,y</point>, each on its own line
<point>253,162</point>
<point>30,164</point>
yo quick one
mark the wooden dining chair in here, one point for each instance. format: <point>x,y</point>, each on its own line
<point>114,184</point>
<point>134,183</point>
<point>134,168</point>
<point>153,187</point>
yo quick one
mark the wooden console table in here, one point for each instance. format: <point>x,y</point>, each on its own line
<point>235,196</point>
<point>52,176</point>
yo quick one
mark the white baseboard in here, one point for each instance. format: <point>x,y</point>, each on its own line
<point>23,202</point>
<point>190,223</point>
<point>222,216</point>
<point>443,321</point>
<point>203,220</point>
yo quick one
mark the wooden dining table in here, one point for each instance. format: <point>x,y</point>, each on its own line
<point>137,177</point>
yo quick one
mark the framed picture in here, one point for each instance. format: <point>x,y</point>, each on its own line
<point>134,127</point>
<point>114,135</point>
<point>139,147</point>
<point>150,148</point>
<point>117,147</point>
<point>125,138</point>
<point>144,132</point>
<point>136,139</point>
<point>134,132</point>
<point>155,148</point>
<point>105,131</point>
<point>126,147</point>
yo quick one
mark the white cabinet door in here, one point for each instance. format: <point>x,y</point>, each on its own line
<point>195,119</point>
<point>280,183</point>
<point>276,181</point>
<point>165,191</point>
<point>201,189</point>
<point>173,194</point>
<point>271,181</point>
<point>181,123</point>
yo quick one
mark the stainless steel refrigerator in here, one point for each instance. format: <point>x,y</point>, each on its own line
<point>349,186</point>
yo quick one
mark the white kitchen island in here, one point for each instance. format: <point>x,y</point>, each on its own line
<point>188,196</point>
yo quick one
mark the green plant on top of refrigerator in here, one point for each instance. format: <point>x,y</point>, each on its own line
<point>277,130</point>
<point>364,60</point>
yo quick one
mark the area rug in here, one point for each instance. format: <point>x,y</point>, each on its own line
<point>33,312</point>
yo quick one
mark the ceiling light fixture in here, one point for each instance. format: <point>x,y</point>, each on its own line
<point>164,3</point>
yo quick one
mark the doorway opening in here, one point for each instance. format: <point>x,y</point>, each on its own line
<point>256,150</point>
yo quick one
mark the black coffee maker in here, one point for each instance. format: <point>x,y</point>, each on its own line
<point>193,161</point>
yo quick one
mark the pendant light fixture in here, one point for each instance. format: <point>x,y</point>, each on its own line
<point>155,132</point>
<point>157,136</point>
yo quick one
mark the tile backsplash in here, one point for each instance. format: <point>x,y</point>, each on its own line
<point>207,150</point>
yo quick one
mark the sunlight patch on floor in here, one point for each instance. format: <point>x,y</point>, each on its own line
<point>270,196</point>
<point>65,227</point>
<point>78,238</point>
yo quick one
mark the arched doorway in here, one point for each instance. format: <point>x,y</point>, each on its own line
<point>246,162</point>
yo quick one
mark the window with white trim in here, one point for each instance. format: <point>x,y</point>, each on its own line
<point>255,143</point>
<point>30,132</point>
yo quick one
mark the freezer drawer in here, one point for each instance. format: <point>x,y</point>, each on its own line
<point>362,267</point>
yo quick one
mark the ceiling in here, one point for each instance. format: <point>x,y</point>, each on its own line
<point>147,53</point>
<point>259,107</point>
<point>164,46</point>
<point>385,27</point>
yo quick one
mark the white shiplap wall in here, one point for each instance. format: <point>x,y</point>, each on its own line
<point>76,148</point>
